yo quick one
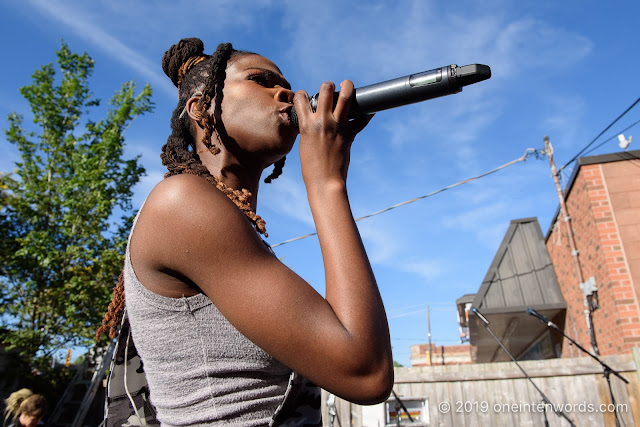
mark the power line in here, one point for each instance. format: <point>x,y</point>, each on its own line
<point>412,306</point>
<point>529,152</point>
<point>411,313</point>
<point>421,340</point>
<point>599,135</point>
<point>613,137</point>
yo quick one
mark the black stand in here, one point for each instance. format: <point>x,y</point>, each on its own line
<point>399,405</point>
<point>545,399</point>
<point>607,369</point>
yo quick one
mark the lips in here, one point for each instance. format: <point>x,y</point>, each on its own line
<point>285,112</point>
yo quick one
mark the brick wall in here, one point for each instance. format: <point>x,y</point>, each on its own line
<point>453,354</point>
<point>604,206</point>
<point>622,182</point>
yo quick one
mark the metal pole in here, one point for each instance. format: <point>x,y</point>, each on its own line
<point>572,244</point>
<point>429,332</point>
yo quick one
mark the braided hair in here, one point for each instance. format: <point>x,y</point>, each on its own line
<point>192,71</point>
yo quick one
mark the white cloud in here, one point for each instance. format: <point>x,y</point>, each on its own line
<point>523,42</point>
<point>382,244</point>
<point>150,158</point>
<point>563,118</point>
<point>412,36</point>
<point>287,196</point>
<point>484,210</point>
<point>390,247</point>
<point>84,27</point>
<point>187,17</point>
<point>427,269</point>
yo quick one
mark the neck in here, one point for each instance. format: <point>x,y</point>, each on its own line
<point>230,172</point>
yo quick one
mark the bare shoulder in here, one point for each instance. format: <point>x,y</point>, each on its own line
<point>174,192</point>
<point>190,237</point>
<point>189,201</point>
<point>186,223</point>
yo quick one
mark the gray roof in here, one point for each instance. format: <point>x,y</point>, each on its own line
<point>521,274</point>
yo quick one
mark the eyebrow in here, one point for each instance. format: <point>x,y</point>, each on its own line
<point>271,73</point>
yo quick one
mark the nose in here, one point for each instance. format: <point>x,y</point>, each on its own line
<point>284,95</point>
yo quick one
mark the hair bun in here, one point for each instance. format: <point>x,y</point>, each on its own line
<point>178,54</point>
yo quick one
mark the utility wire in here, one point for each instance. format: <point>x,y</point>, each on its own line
<point>615,136</point>
<point>410,313</point>
<point>421,311</point>
<point>599,135</point>
<point>529,152</point>
<point>561,173</point>
<point>422,340</point>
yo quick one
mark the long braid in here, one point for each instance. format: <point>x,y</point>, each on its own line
<point>114,312</point>
<point>277,170</point>
<point>176,154</point>
<point>188,67</point>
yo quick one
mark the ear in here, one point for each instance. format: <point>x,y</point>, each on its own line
<point>193,109</point>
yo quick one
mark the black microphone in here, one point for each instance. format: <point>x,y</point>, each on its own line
<point>477,313</point>
<point>534,313</point>
<point>409,89</point>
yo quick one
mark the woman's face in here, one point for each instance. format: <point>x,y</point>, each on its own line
<point>29,420</point>
<point>256,108</point>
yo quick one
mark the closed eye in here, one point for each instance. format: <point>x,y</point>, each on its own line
<point>259,78</point>
<point>268,78</point>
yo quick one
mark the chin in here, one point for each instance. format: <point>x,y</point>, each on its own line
<point>286,144</point>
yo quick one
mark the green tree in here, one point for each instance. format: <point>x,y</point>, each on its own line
<point>61,246</point>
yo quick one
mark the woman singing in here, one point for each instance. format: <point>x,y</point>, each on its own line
<point>227,333</point>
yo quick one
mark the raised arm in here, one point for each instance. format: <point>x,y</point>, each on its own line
<point>194,234</point>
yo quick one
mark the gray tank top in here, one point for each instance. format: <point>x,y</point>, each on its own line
<point>200,369</point>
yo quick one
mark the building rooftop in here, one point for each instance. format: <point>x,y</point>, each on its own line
<point>520,276</point>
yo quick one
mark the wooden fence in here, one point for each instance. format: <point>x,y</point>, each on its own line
<point>498,394</point>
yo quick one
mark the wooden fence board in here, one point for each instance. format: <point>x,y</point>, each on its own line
<point>507,391</point>
<point>443,395</point>
<point>463,391</point>
<point>483,396</point>
<point>633,390</point>
<point>569,382</point>
<point>525,395</point>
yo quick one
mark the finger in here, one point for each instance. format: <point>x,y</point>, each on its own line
<point>343,105</point>
<point>325,97</point>
<point>302,106</point>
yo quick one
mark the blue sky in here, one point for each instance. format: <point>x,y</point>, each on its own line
<point>562,69</point>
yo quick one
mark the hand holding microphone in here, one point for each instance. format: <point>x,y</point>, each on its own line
<point>409,89</point>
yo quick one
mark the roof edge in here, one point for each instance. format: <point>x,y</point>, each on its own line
<point>585,161</point>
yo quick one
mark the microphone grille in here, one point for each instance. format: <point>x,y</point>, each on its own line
<point>293,116</point>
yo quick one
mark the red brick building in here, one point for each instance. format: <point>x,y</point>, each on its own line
<point>603,203</point>
<point>440,355</point>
